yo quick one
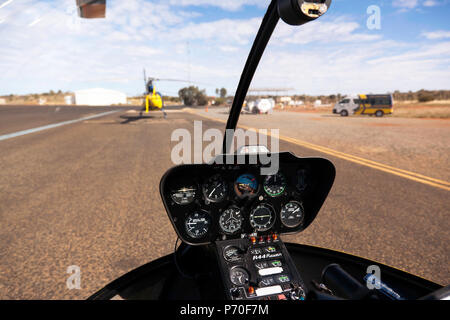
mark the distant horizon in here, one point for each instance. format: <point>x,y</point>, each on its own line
<point>57,92</point>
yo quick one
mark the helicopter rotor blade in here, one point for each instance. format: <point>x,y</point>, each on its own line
<point>178,80</point>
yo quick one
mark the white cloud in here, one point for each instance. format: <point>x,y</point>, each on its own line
<point>142,50</point>
<point>224,31</point>
<point>231,5</point>
<point>337,30</point>
<point>406,4</point>
<point>436,35</point>
<point>229,48</point>
<point>430,3</point>
<point>358,69</point>
<point>435,52</point>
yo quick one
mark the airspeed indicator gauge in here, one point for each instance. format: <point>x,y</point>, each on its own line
<point>275,185</point>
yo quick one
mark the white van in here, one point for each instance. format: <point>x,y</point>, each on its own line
<point>371,104</point>
<point>260,106</point>
<point>346,106</point>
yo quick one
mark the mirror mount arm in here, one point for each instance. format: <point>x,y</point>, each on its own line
<point>293,12</point>
<point>266,29</point>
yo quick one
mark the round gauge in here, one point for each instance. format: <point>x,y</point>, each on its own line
<point>184,195</point>
<point>233,254</point>
<point>239,276</point>
<point>197,224</point>
<point>262,217</point>
<point>230,220</point>
<point>215,189</point>
<point>292,214</point>
<point>246,185</point>
<point>275,185</point>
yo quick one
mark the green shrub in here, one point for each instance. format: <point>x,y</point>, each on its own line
<point>425,97</point>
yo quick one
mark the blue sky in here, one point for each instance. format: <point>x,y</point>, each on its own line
<point>45,46</point>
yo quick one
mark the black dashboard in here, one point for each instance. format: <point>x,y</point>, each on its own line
<point>212,202</point>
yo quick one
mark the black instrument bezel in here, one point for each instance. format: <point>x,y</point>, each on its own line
<point>322,174</point>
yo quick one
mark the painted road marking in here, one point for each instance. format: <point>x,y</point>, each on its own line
<point>55,125</point>
<point>365,162</point>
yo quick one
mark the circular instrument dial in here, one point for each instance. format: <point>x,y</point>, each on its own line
<point>197,224</point>
<point>215,189</point>
<point>275,185</point>
<point>233,254</point>
<point>239,276</point>
<point>292,214</point>
<point>230,220</point>
<point>262,217</point>
<point>183,196</point>
<point>246,185</point>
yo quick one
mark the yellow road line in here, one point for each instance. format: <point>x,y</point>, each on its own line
<point>365,162</point>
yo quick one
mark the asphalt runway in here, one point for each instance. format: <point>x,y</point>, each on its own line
<point>87,194</point>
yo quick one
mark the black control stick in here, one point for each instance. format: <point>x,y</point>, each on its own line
<point>343,284</point>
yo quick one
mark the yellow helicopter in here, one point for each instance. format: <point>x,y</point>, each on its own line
<point>153,100</point>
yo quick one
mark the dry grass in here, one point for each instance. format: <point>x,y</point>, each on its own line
<point>305,109</point>
<point>410,109</point>
<point>433,110</point>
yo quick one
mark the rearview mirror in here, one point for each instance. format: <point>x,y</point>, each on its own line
<point>297,12</point>
<point>91,9</point>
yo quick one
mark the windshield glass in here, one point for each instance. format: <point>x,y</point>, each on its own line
<point>91,111</point>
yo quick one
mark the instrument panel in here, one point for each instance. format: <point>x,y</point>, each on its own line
<point>210,202</point>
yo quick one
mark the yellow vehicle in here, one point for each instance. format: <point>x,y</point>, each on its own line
<point>370,104</point>
<point>153,99</point>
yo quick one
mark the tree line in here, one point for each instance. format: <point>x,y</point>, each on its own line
<point>420,96</point>
<point>192,95</point>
